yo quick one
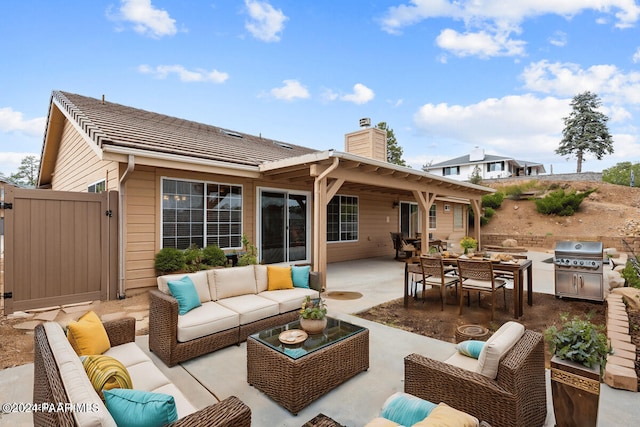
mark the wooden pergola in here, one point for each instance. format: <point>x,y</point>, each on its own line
<point>331,171</point>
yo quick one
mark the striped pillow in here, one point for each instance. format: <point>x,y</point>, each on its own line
<point>106,373</point>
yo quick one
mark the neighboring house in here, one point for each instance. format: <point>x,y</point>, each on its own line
<point>487,165</point>
<point>182,183</point>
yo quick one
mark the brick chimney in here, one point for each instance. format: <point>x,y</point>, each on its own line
<point>368,142</point>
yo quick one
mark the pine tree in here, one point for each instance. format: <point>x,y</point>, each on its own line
<point>394,151</point>
<point>585,130</point>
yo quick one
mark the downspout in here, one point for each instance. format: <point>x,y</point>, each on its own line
<point>316,231</point>
<point>121,225</point>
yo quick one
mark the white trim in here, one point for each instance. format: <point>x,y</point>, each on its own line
<point>96,183</point>
<point>309,213</point>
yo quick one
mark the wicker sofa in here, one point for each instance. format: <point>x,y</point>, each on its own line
<point>516,396</point>
<point>236,302</point>
<point>59,378</point>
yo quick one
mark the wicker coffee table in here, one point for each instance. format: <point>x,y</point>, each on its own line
<point>296,375</point>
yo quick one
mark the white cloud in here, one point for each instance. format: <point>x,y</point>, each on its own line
<point>291,90</point>
<point>519,126</point>
<point>483,43</point>
<point>189,76</point>
<point>266,22</point>
<point>146,19</point>
<point>13,121</point>
<point>567,79</point>
<point>489,24</point>
<point>558,39</point>
<point>361,94</point>
<point>636,56</point>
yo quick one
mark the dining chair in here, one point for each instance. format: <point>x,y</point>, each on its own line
<point>433,273</point>
<point>477,275</point>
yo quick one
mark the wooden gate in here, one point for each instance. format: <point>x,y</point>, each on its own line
<point>59,247</point>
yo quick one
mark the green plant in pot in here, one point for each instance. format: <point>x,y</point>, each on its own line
<point>313,315</point>
<point>468,243</point>
<point>579,349</point>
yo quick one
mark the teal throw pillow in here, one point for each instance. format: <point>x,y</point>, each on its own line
<point>300,276</point>
<point>185,292</point>
<point>137,408</point>
<point>470,348</point>
<point>406,409</point>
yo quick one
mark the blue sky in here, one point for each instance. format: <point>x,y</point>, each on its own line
<point>445,75</point>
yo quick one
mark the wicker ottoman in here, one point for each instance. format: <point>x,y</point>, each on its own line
<point>471,332</point>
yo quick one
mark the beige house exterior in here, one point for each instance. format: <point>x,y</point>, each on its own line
<point>182,182</point>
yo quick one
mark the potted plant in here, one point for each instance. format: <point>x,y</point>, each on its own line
<point>579,349</point>
<point>467,243</point>
<point>313,315</point>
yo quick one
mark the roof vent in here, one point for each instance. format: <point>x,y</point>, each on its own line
<point>231,133</point>
<point>283,145</point>
<point>365,122</point>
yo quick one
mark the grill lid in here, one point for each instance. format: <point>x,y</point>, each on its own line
<point>583,249</point>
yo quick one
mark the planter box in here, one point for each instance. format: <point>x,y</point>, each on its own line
<point>576,392</point>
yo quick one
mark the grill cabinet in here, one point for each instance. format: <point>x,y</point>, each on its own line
<point>578,270</point>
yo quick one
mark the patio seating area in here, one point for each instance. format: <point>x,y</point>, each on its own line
<point>215,376</point>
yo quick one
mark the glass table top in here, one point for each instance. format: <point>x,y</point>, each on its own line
<point>335,331</point>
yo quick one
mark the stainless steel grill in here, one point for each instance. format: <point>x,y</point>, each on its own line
<point>578,270</point>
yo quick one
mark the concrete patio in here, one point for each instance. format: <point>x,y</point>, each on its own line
<point>358,400</point>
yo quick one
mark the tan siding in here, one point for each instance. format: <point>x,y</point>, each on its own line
<point>374,238</point>
<point>77,165</point>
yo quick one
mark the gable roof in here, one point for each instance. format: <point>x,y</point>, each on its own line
<point>115,125</point>
<point>488,158</point>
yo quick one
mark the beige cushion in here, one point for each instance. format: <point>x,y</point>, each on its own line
<point>199,279</point>
<point>231,282</point>
<point>205,320</point>
<point>289,299</point>
<point>381,422</point>
<point>146,376</point>
<point>445,415</point>
<point>211,279</point>
<point>250,307</point>
<point>77,385</point>
<point>462,361</point>
<point>497,346</point>
<point>262,279</point>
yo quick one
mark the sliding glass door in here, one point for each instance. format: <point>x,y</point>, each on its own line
<point>284,226</point>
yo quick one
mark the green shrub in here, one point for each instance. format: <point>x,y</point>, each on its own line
<point>493,200</point>
<point>193,258</point>
<point>579,340</point>
<point>489,212</point>
<point>630,275</point>
<point>561,203</point>
<point>250,255</point>
<point>214,256</point>
<point>169,259</point>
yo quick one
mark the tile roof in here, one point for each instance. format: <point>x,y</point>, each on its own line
<point>111,124</point>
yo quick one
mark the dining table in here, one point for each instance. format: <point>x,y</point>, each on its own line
<point>517,267</point>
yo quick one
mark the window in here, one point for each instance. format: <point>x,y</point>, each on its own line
<point>201,213</point>
<point>98,187</point>
<point>342,219</point>
<point>432,216</point>
<point>458,217</point>
<point>453,170</point>
<point>495,167</point>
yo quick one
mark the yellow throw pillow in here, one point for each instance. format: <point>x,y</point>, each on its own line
<point>88,336</point>
<point>445,415</point>
<point>106,373</point>
<point>279,278</point>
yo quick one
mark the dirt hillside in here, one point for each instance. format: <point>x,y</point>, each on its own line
<point>612,210</point>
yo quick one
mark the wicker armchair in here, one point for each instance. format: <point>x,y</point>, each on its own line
<point>517,397</point>
<point>48,386</point>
